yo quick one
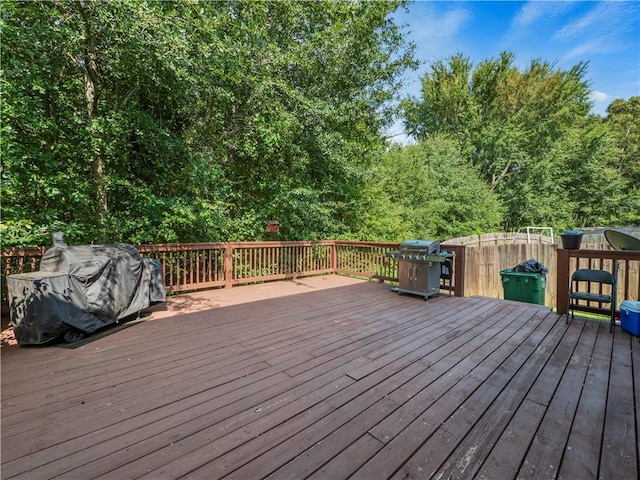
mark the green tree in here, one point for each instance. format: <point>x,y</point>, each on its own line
<point>623,119</point>
<point>184,121</point>
<point>447,104</point>
<point>428,190</point>
<point>97,127</point>
<point>311,90</point>
<point>594,187</point>
<point>526,132</point>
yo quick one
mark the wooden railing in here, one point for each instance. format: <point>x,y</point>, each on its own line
<point>628,274</point>
<point>366,260</point>
<point>197,266</point>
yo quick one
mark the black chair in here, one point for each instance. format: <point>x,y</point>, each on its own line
<point>580,289</point>
<point>446,273</point>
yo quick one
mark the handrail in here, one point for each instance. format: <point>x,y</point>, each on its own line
<point>195,266</point>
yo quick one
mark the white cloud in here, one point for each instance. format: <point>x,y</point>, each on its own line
<point>436,28</point>
<point>529,14</point>
<point>600,101</point>
<point>533,19</point>
<point>448,26</point>
<point>588,48</point>
<point>600,30</point>
<point>534,11</point>
<point>599,97</point>
<point>605,16</point>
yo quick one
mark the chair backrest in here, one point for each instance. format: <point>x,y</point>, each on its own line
<point>589,275</point>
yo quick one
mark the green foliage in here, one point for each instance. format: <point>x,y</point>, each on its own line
<point>623,120</point>
<point>447,105</point>
<point>147,121</point>
<point>428,191</point>
<point>530,137</point>
<point>623,117</point>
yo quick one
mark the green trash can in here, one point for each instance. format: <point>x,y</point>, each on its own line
<point>523,287</point>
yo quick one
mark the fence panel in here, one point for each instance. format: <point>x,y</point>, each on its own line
<point>18,260</point>
<point>484,264</point>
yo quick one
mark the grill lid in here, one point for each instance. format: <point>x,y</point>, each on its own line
<point>430,247</point>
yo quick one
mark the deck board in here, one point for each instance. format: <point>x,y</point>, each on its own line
<point>582,453</point>
<point>547,448</point>
<point>329,377</point>
<point>619,438</point>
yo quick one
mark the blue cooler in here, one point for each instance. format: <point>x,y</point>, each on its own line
<point>630,317</point>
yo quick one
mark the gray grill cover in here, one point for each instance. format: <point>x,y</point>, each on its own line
<point>85,287</point>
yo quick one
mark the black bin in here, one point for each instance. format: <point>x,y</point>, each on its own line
<point>571,239</point>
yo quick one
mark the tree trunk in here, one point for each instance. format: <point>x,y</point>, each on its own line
<point>91,91</point>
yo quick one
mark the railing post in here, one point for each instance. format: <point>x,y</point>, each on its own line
<point>228,265</point>
<point>562,279</point>
<point>460,262</point>
<point>334,258</point>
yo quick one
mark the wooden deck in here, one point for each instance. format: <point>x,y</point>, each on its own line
<point>329,378</point>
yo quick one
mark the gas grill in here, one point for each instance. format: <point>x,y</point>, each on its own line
<point>421,264</point>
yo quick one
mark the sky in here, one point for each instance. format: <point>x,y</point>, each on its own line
<point>606,34</point>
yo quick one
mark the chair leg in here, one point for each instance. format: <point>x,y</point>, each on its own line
<point>612,322</point>
<point>614,296</point>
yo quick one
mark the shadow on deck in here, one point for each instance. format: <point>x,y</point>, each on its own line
<point>328,377</point>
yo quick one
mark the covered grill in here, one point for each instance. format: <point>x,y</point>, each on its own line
<point>421,264</point>
<point>80,289</point>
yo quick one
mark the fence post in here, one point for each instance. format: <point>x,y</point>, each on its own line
<point>562,279</point>
<point>228,265</point>
<point>458,272</point>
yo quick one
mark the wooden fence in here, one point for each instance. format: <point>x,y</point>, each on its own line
<point>500,238</point>
<point>484,264</point>
<point>209,265</point>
